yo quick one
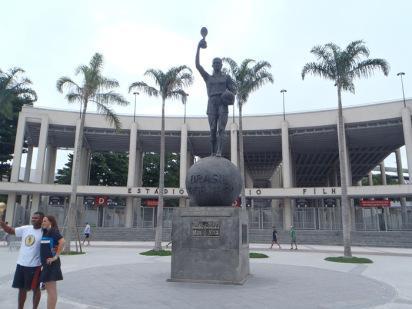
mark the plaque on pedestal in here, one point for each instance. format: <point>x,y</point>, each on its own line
<point>210,245</point>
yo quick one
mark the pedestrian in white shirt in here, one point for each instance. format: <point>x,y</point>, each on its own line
<point>28,266</point>
<point>86,232</point>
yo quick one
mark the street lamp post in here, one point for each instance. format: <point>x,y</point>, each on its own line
<point>283,94</point>
<point>401,74</point>
<point>134,112</point>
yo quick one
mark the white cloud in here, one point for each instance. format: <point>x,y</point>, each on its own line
<point>135,47</point>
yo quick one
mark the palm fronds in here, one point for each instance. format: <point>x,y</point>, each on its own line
<point>343,66</point>
<point>92,89</point>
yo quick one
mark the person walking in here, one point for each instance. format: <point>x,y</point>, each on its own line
<point>52,244</point>
<point>275,238</point>
<point>292,234</point>
<point>27,274</point>
<point>86,232</point>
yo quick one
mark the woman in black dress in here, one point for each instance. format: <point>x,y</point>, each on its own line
<point>51,246</point>
<point>275,238</point>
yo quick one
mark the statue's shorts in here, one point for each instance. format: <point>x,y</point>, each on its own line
<point>216,107</point>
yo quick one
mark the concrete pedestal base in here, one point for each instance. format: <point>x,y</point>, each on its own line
<point>210,245</point>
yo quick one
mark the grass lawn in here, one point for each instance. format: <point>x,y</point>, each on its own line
<point>254,255</point>
<point>157,253</point>
<point>351,259</point>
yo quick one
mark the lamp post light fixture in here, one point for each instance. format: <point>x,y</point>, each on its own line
<point>401,74</point>
<point>283,94</point>
<point>134,112</point>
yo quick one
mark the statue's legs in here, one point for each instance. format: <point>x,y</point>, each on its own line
<point>213,128</point>
<point>221,126</point>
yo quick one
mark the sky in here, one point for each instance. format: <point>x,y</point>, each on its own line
<point>50,39</point>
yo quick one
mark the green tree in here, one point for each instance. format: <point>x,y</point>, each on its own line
<point>15,92</point>
<point>248,77</point>
<point>106,169</point>
<point>97,89</point>
<point>151,169</point>
<point>110,169</point>
<point>170,85</point>
<point>64,174</point>
<point>342,67</point>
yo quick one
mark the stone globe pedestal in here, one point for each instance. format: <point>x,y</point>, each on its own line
<point>210,241</point>
<point>213,181</point>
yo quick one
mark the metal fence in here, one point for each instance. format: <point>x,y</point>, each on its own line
<point>387,219</point>
<point>317,218</point>
<point>305,218</point>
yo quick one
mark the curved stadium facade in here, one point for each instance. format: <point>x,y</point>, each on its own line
<point>292,168</point>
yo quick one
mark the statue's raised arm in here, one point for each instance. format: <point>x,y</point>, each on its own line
<point>202,44</point>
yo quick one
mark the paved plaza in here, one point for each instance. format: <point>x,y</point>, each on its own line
<point>114,275</point>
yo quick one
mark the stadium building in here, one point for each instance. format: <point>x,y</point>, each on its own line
<point>291,164</point>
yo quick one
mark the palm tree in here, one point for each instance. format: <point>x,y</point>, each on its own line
<point>14,90</point>
<point>342,67</point>
<point>170,86</point>
<point>247,79</point>
<point>97,89</point>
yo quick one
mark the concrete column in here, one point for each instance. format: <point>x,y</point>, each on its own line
<point>383,173</point>
<point>383,180</point>
<point>41,155</point>
<point>248,179</point>
<point>233,143</point>
<point>401,179</point>
<point>48,173</point>
<point>137,202</point>
<point>15,170</point>
<point>18,149</point>
<point>131,173</point>
<point>248,183</point>
<point>183,162</point>
<point>286,175</point>
<point>399,167</point>
<point>276,182</point>
<point>27,171</point>
<point>370,178</point>
<point>50,164</point>
<point>407,134</point>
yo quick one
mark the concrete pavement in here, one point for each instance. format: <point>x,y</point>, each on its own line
<point>114,275</point>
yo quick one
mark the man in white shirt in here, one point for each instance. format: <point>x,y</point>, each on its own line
<point>86,232</point>
<point>28,266</point>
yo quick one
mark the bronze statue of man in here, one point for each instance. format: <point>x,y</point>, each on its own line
<point>220,90</point>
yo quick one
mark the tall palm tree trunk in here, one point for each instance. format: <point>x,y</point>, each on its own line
<point>241,158</point>
<point>159,223</point>
<point>346,226</point>
<point>71,212</point>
